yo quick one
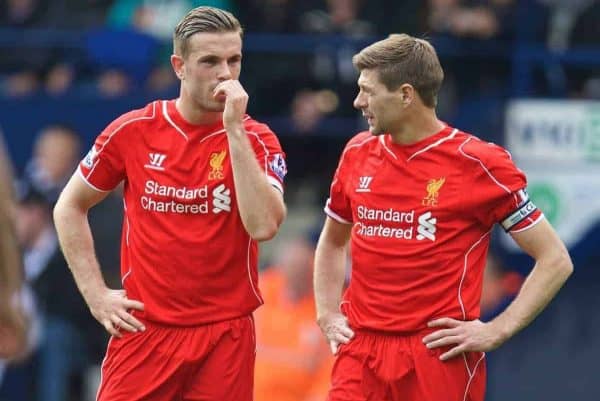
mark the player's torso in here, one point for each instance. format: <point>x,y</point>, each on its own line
<point>180,188</point>
<point>413,210</point>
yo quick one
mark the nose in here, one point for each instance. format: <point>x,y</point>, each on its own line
<point>359,102</point>
<point>224,72</point>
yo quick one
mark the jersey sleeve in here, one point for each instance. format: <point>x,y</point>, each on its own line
<point>500,190</point>
<point>338,206</point>
<point>269,154</point>
<point>103,168</point>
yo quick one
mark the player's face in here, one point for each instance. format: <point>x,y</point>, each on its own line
<point>212,58</point>
<point>382,108</point>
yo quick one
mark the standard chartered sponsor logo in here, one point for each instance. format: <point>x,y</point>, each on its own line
<point>426,228</point>
<point>183,200</point>
<point>222,199</point>
<point>376,223</point>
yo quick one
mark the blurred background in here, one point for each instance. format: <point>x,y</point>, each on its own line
<point>521,73</point>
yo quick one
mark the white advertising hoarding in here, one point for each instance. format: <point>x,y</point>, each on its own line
<point>557,144</point>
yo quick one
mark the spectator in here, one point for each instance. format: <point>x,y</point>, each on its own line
<point>290,351</point>
<point>62,353</point>
<point>57,150</point>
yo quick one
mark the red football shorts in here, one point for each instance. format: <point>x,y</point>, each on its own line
<point>209,362</point>
<point>380,367</point>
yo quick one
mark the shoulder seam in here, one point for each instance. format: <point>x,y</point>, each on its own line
<point>118,129</point>
<point>487,171</point>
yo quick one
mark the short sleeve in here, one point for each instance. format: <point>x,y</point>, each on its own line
<point>338,206</point>
<point>103,168</point>
<point>499,189</point>
<point>269,154</point>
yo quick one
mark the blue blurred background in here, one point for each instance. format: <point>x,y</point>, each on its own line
<point>521,73</point>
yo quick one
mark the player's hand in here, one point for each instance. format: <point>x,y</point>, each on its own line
<point>110,308</point>
<point>236,101</point>
<point>336,329</point>
<point>466,336</point>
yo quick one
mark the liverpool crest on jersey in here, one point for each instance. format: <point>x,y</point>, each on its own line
<point>216,165</point>
<point>433,191</point>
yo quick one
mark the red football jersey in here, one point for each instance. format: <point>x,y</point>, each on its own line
<point>184,251</point>
<point>422,216</point>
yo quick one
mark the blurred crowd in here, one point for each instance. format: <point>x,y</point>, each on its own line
<point>307,85</point>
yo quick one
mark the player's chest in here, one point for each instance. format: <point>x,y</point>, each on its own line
<point>182,163</point>
<point>380,184</point>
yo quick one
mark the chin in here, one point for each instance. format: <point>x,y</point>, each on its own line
<point>375,131</point>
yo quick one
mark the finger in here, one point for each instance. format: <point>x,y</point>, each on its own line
<point>340,338</point>
<point>221,88</point>
<point>131,320</point>
<point>443,342</point>
<point>436,335</point>
<point>126,326</point>
<point>111,329</point>
<point>119,323</point>
<point>133,304</point>
<point>444,322</point>
<point>333,345</point>
<point>454,352</point>
<point>346,331</point>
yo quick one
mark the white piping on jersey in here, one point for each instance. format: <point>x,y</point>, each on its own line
<point>250,274</point>
<point>348,148</point>
<point>460,148</point>
<point>462,279</point>
<point>102,367</point>
<point>540,218</point>
<point>126,240</point>
<point>221,131</point>
<point>117,130</point>
<point>89,183</point>
<point>334,215</point>
<point>253,330</point>
<point>127,221</point>
<point>168,118</point>
<point>433,145</point>
<point>279,187</point>
<point>466,364</point>
<point>382,140</point>
<point>471,375</point>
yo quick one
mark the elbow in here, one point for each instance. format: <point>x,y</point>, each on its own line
<point>267,229</point>
<point>564,264</point>
<point>263,235</point>
<point>264,232</point>
<point>567,265</point>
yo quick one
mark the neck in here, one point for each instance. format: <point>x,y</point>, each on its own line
<point>418,126</point>
<point>194,114</point>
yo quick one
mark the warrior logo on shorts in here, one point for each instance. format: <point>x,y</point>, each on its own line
<point>433,191</point>
<point>216,165</point>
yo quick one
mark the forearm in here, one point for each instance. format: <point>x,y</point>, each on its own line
<point>540,287</point>
<point>76,241</point>
<point>260,207</point>
<point>329,277</point>
<point>10,260</point>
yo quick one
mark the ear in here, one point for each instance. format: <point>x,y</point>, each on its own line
<point>178,64</point>
<point>408,94</point>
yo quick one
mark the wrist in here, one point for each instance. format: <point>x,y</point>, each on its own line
<point>502,330</point>
<point>236,129</point>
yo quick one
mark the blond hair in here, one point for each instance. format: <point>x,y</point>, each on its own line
<point>203,19</point>
<point>400,59</point>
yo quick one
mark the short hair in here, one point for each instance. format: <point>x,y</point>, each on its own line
<point>203,19</point>
<point>400,59</point>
